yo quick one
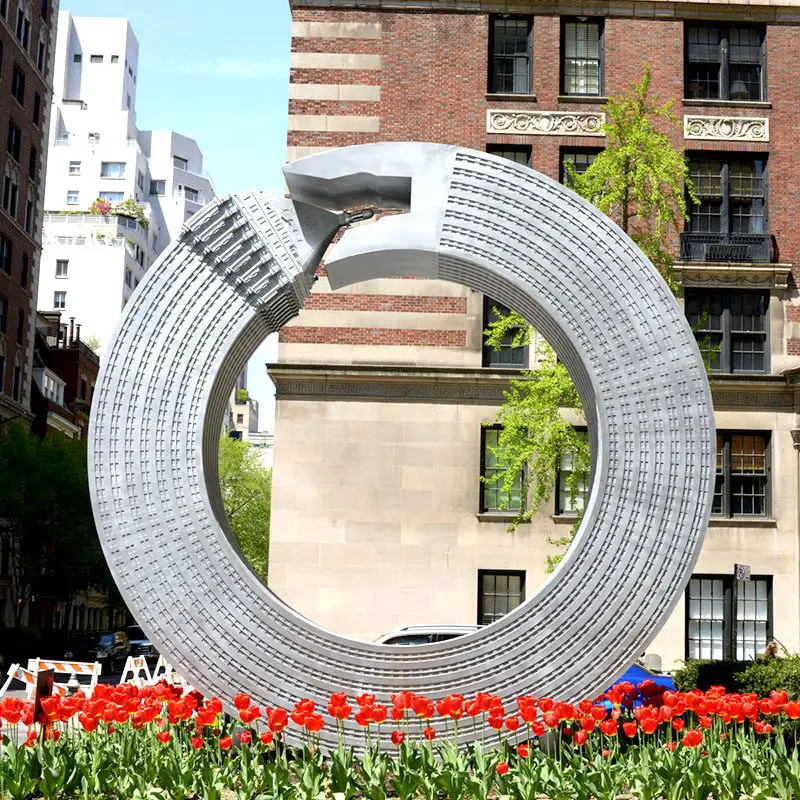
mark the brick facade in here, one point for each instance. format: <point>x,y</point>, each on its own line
<point>26,169</point>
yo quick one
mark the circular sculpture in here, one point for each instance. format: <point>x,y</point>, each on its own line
<point>242,268</point>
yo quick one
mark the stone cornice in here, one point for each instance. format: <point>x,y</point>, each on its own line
<point>478,386</point>
<point>706,127</point>
<point>545,123</point>
<point>770,276</point>
<point>754,10</point>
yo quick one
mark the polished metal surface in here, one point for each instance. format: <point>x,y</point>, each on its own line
<point>242,268</point>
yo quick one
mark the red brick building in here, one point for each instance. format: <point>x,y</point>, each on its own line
<point>383,388</point>
<point>27,41</point>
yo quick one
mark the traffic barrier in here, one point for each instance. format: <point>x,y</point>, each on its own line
<point>28,677</point>
<point>165,672</point>
<point>76,668</point>
<point>139,671</point>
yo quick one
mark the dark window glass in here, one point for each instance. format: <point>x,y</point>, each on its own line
<point>33,160</point>
<point>581,63</point>
<point>158,187</point>
<point>23,29</point>
<point>23,277</point>
<point>568,502</point>
<point>3,314</point>
<point>507,356</point>
<point>579,159</point>
<point>498,593</point>
<point>493,497</point>
<point>18,85</point>
<point>14,141</point>
<point>519,154</point>
<point>730,328</point>
<point>16,388</point>
<point>510,55</point>
<point>37,108</point>
<point>20,326</point>
<point>728,618</point>
<point>5,254</point>
<point>724,63</point>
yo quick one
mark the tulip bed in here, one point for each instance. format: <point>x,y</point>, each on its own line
<point>634,742</point>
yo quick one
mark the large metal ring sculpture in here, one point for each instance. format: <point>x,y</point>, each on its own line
<point>243,266</point>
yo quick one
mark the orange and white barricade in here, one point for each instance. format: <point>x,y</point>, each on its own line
<point>136,671</point>
<point>28,677</point>
<point>90,669</point>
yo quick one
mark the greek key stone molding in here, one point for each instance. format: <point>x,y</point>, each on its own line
<point>726,129</point>
<point>545,123</point>
<point>769,276</point>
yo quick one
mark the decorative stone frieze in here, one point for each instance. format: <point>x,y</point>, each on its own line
<point>545,123</point>
<point>726,129</point>
<point>769,276</point>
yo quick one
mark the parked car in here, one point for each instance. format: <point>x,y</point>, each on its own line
<point>111,649</point>
<point>141,645</point>
<point>425,634</point>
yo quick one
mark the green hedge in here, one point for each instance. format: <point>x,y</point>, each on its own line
<point>742,676</point>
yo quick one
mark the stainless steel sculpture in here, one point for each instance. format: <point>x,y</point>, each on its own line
<point>243,266</point>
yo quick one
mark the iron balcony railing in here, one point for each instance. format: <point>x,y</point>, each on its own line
<point>737,247</point>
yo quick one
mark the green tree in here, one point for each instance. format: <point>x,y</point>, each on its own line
<point>246,493</point>
<point>46,519</point>
<point>641,181</point>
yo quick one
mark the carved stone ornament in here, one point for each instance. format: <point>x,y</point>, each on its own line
<point>241,269</point>
<point>546,123</point>
<point>726,129</point>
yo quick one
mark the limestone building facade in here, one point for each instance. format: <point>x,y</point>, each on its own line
<point>384,389</point>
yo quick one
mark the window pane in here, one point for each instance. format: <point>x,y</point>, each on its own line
<point>499,593</point>
<point>704,61</point>
<point>748,475</point>
<point>582,58</point>
<point>494,497</point>
<point>507,356</point>
<point>511,56</point>
<point>579,161</point>
<point>752,611</point>
<point>705,629</point>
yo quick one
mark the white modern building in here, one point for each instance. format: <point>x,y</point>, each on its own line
<point>115,196</point>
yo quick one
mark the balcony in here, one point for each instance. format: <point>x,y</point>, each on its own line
<point>752,248</point>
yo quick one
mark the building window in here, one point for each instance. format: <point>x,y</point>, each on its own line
<point>16,389</point>
<point>580,159</point>
<point>59,300</point>
<point>4,8</point>
<point>14,142</point>
<point>158,187</point>
<point>741,488</point>
<point>95,59</point>
<point>20,326</point>
<point>510,54</point>
<point>72,197</point>
<point>492,496</point>
<point>23,277</point>
<point>37,107</point>
<point>74,167</point>
<point>29,216</point>
<point>508,356</point>
<point>180,163</point>
<point>519,154</point>
<point>724,62</point>
<point>128,276</point>
<point>140,180</point>
<point>239,419</point>
<point>582,57</point>
<point>10,196</point>
<point>94,137</point>
<point>730,328</point>
<point>3,313</point>
<point>499,591</point>
<point>114,59</point>
<point>112,197</point>
<point>112,169</point>
<point>77,58</point>
<point>5,254</point>
<point>568,502</point>
<point>33,160</point>
<point>191,194</point>
<point>62,267</point>
<point>729,223</point>
<point>23,29</point>
<point>726,618</point>
<point>41,52</point>
<point>18,85</point>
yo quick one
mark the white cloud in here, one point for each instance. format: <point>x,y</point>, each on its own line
<point>244,68</point>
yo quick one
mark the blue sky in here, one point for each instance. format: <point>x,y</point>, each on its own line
<point>221,78</point>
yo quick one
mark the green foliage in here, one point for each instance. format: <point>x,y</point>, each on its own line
<point>775,673</point>
<point>46,516</point>
<point>702,674</point>
<point>242,395</point>
<point>640,180</point>
<point>130,208</point>
<point>246,488</point>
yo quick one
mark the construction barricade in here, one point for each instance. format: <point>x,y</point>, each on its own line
<point>28,677</point>
<point>136,671</point>
<point>80,669</point>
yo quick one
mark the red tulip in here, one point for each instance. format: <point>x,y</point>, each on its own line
<point>398,737</point>
<point>512,723</point>
<point>163,736</point>
<point>580,737</point>
<point>678,724</point>
<point>225,743</point>
<point>629,728</point>
<point>610,727</point>
<point>241,700</point>
<point>523,750</point>
<point>197,742</point>
<point>429,733</point>
<point>266,738</point>
<point>502,768</point>
<point>692,738</point>
<point>245,737</point>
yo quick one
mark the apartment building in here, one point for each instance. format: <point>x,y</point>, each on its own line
<point>383,389</point>
<point>27,40</point>
<point>116,196</point>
